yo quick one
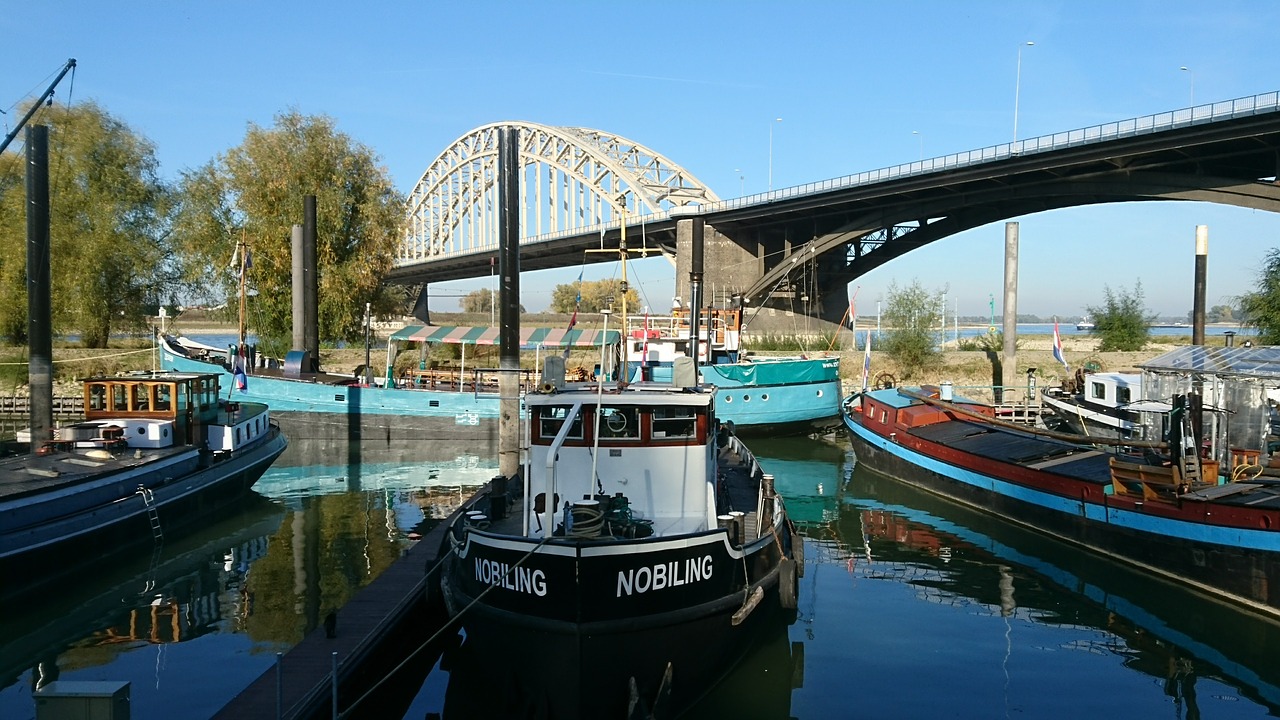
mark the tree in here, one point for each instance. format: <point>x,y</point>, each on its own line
<point>109,214</point>
<point>1122,322</point>
<point>482,301</point>
<point>911,314</point>
<point>595,296</point>
<point>255,193</point>
<point>1261,308</point>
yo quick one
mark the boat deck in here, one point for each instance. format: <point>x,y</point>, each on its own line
<point>31,474</point>
<point>1011,446</point>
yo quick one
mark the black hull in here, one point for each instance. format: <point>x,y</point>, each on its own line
<point>126,523</point>
<point>1249,578</point>
<point>581,620</point>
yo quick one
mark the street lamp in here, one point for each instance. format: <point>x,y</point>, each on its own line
<point>1193,84</point>
<point>742,182</point>
<point>1017,89</point>
<point>775,120</point>
<point>921,138</point>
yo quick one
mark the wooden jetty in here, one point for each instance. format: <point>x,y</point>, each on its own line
<point>368,634</point>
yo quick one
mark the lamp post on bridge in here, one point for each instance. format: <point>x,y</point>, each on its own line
<point>775,120</point>
<point>1017,89</point>
<point>742,182</point>
<point>1193,83</point>
<point>921,138</point>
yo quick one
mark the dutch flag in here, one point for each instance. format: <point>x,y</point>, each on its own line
<point>1057,347</point>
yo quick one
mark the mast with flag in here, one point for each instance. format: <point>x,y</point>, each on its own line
<point>1057,346</point>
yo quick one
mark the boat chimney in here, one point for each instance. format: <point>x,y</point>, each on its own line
<point>299,296</point>
<point>39,302</point>
<point>1202,263</point>
<point>509,301</point>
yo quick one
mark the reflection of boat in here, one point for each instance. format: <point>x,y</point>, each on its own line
<point>759,394</point>
<point>677,554</point>
<point>1180,521</point>
<point>1164,627</point>
<point>154,452</point>
<point>85,618</point>
<point>809,474</point>
<point>458,406</point>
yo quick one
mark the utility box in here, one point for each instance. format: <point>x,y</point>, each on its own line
<point>83,700</point>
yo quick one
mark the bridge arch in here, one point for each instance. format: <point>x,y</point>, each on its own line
<point>572,179</point>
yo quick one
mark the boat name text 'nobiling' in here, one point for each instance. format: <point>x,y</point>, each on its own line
<point>520,579</point>
<point>664,575</point>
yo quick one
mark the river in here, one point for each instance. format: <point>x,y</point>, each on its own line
<point>910,607</point>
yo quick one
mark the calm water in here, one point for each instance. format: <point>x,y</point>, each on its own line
<point>910,608</point>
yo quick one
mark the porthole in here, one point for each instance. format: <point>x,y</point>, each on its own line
<point>819,393</point>
<point>764,396</point>
<point>142,431</point>
<point>728,398</point>
<point>746,398</point>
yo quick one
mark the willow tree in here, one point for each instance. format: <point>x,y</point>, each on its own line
<point>108,220</point>
<point>1260,308</point>
<point>254,194</point>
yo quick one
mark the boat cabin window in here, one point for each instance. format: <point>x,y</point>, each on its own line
<point>98,397</point>
<point>620,423</point>
<point>119,398</point>
<point>141,398</point>
<point>164,397</point>
<point>551,419</point>
<point>1122,395</point>
<point>674,422</point>
<point>1098,391</point>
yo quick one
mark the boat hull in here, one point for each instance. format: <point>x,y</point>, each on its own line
<point>126,520</point>
<point>588,617</point>
<point>352,410</point>
<point>789,396</point>
<point>1240,564</point>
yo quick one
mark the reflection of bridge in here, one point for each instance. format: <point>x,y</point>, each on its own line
<point>808,242</point>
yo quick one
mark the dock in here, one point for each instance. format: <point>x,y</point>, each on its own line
<point>371,635</point>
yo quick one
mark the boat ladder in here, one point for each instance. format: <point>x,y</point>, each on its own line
<point>1188,455</point>
<point>149,499</point>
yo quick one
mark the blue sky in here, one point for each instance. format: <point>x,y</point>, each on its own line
<point>858,85</point>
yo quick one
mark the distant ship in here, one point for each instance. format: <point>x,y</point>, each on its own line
<point>1085,324</point>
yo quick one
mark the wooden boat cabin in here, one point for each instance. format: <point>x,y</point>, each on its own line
<point>157,411</point>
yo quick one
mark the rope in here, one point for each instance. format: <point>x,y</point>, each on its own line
<point>445,626</point>
<point>92,357</point>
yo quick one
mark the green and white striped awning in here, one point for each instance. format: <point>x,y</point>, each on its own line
<point>530,338</point>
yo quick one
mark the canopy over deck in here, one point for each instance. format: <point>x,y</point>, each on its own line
<point>1257,362</point>
<point>530,338</point>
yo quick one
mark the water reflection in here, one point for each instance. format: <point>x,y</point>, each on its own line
<point>231,595</point>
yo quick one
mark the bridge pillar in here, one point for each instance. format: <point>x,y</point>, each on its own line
<point>728,267</point>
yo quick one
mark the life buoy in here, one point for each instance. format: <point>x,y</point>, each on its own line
<point>788,584</point>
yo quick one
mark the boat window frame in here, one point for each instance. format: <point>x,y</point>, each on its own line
<point>549,427</point>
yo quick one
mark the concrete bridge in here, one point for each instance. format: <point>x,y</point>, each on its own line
<point>806,243</point>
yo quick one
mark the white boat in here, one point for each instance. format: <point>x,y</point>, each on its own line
<point>640,551</point>
<point>1085,324</point>
<point>1099,404</point>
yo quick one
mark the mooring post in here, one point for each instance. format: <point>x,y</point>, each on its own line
<point>1009,357</point>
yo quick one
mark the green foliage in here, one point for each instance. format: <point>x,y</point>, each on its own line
<point>790,343</point>
<point>911,318</point>
<point>1122,322</point>
<point>254,193</point>
<point>109,214</point>
<point>990,342</point>
<point>1261,308</point>
<point>483,300</point>
<point>595,294</point>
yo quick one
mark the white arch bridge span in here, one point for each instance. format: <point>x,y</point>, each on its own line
<point>573,182</point>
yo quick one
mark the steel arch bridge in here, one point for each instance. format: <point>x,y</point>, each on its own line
<point>571,180</point>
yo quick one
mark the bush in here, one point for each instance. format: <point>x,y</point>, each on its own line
<point>1122,323</point>
<point>911,316</point>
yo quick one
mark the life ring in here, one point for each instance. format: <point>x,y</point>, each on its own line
<point>616,421</point>
<point>788,584</point>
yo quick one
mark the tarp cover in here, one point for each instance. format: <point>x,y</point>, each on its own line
<point>530,338</point>
<point>771,372</point>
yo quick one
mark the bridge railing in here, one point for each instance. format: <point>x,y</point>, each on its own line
<point>1159,122</point>
<point>1225,110</point>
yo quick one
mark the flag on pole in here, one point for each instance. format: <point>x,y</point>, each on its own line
<point>239,377</point>
<point>866,364</point>
<point>1057,347</point>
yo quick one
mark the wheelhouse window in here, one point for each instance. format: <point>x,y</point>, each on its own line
<point>1098,391</point>
<point>98,397</point>
<point>1122,395</point>
<point>142,397</point>
<point>551,419</point>
<point>619,423</point>
<point>674,422</point>
<point>119,397</point>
